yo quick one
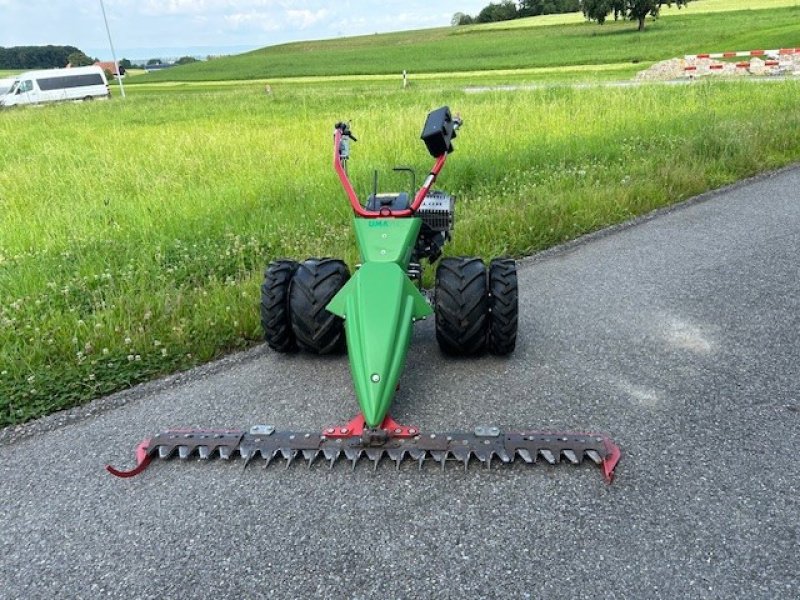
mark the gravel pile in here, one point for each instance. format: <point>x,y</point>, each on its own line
<point>664,70</point>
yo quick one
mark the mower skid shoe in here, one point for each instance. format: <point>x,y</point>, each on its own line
<point>486,445</point>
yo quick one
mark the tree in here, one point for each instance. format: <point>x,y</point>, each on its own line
<point>186,60</point>
<point>36,57</point>
<point>79,59</point>
<point>124,65</point>
<point>598,10</point>
<point>503,11</point>
<point>635,10</point>
<point>154,61</point>
<point>461,18</point>
<point>534,8</point>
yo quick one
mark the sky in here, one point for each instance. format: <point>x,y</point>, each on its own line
<point>172,28</point>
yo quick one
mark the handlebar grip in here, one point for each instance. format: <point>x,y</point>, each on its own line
<point>344,127</point>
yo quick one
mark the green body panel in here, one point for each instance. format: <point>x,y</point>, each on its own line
<point>379,305</point>
<point>387,240</point>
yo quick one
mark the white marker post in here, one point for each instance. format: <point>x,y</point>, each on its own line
<point>405,79</point>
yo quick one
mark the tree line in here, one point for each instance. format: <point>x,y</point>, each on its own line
<point>593,10</point>
<point>19,58</point>
<point>507,10</point>
<point>41,57</point>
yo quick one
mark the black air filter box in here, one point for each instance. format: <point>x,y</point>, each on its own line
<point>439,132</point>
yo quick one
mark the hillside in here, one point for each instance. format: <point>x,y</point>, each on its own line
<point>514,46</point>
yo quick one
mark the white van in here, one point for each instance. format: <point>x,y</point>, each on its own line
<point>5,85</point>
<point>54,85</point>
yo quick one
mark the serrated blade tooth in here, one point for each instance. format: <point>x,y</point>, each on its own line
<point>461,453</point>
<point>419,456</point>
<point>503,455</point>
<point>205,452</point>
<point>225,452</point>
<point>525,454</point>
<point>481,453</point>
<point>183,452</point>
<point>375,455</point>
<point>416,453</point>
<point>268,457</point>
<point>547,455</point>
<point>331,454</point>
<point>310,456</point>
<point>164,452</point>
<point>439,457</point>
<point>396,454</point>
<point>352,453</point>
<point>489,457</point>
<point>570,456</point>
<point>595,456</point>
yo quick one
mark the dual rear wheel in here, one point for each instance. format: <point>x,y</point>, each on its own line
<point>476,307</point>
<point>293,300</point>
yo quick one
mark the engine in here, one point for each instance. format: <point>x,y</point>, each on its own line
<point>437,214</point>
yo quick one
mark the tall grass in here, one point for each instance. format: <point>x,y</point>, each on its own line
<point>133,234</point>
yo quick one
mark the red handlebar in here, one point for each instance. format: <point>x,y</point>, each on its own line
<point>384,212</point>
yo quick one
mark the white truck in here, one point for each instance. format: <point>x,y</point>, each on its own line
<point>56,85</point>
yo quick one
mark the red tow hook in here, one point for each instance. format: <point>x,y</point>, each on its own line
<point>142,462</point>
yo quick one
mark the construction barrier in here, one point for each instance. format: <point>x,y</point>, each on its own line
<point>774,58</point>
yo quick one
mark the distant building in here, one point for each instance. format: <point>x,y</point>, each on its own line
<point>157,67</point>
<point>109,67</point>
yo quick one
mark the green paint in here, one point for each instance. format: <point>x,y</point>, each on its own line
<point>379,305</point>
<point>387,240</point>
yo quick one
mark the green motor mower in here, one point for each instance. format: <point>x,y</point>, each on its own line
<point>317,306</point>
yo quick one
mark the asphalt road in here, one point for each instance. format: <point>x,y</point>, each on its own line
<point>677,335</point>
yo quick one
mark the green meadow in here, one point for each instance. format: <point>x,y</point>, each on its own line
<point>134,233</point>
<point>506,45</point>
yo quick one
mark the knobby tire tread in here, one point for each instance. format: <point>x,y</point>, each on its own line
<point>315,283</point>
<point>461,306</point>
<point>275,319</point>
<point>503,307</point>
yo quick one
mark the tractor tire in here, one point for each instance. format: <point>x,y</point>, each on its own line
<point>461,305</point>
<point>275,305</point>
<point>503,306</point>
<point>314,284</point>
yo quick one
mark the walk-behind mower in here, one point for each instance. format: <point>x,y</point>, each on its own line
<point>317,307</point>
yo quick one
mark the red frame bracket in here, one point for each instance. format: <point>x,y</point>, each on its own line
<point>355,427</point>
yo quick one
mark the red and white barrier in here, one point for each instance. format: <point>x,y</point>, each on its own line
<point>771,53</point>
<point>773,58</point>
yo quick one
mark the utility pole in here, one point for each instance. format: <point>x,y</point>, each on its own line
<point>113,54</point>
